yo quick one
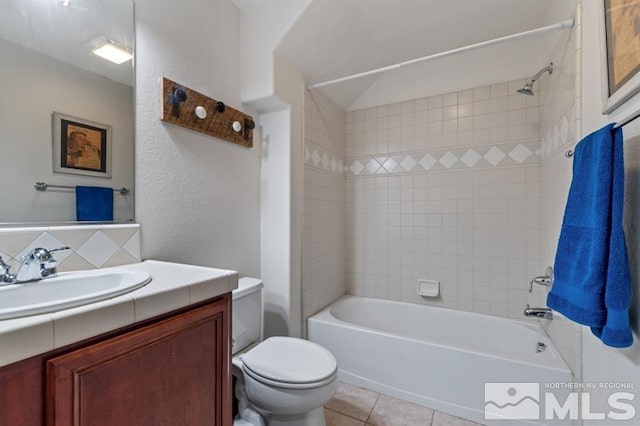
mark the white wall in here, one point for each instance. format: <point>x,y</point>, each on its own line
<point>198,197</point>
<point>275,87</point>
<point>480,67</point>
<point>275,215</point>
<point>263,25</point>
<point>289,86</point>
<point>40,85</point>
<point>601,363</point>
<point>281,209</point>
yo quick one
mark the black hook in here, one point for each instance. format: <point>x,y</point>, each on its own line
<point>220,107</point>
<point>249,125</point>
<point>178,95</point>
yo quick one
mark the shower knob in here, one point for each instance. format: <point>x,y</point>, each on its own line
<point>543,280</point>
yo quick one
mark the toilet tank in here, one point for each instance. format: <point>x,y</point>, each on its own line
<point>247,313</point>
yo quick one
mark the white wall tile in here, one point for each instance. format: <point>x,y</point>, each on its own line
<point>499,90</point>
<point>450,99</point>
<point>325,263</point>
<point>482,107</point>
<point>435,102</point>
<point>459,216</point>
<point>481,93</point>
<point>465,96</point>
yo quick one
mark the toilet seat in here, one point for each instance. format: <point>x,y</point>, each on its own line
<point>289,362</point>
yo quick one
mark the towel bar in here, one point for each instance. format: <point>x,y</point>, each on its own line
<point>42,186</point>
<point>569,153</point>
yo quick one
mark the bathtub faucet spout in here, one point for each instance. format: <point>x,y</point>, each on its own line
<point>545,313</point>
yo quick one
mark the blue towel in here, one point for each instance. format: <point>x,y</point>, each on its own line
<point>94,203</point>
<point>592,284</point>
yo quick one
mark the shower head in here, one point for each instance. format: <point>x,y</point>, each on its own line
<point>528,86</point>
<point>527,89</point>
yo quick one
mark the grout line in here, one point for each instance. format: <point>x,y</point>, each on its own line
<point>344,414</point>
<point>373,407</point>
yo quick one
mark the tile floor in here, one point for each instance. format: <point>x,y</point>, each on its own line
<point>354,406</point>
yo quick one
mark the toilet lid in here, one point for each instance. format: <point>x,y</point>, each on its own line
<point>290,360</point>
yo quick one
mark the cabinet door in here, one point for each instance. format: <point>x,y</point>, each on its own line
<point>21,392</point>
<point>174,372</point>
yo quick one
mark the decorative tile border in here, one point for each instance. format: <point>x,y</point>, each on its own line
<point>323,159</point>
<point>504,155</point>
<point>92,246</point>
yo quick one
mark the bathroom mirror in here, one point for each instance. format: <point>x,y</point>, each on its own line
<point>66,106</point>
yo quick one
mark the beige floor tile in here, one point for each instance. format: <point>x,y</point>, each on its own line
<point>441,419</point>
<point>353,401</point>
<point>336,419</point>
<point>394,412</point>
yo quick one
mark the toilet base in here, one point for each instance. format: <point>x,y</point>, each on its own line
<point>249,416</point>
<point>312,418</point>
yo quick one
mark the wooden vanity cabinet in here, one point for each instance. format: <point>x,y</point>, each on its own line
<point>173,371</point>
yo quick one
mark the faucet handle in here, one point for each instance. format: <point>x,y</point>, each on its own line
<point>48,265</point>
<point>545,280</point>
<point>4,266</point>
<point>60,249</point>
<point>5,272</point>
<point>43,254</point>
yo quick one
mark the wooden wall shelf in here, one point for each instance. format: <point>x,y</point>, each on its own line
<point>187,108</point>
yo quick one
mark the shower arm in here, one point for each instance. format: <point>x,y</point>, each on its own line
<point>548,68</point>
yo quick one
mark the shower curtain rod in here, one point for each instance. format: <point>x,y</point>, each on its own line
<point>559,26</point>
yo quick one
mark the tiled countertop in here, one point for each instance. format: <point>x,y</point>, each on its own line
<point>173,286</point>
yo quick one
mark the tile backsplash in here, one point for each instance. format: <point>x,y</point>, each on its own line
<point>92,246</point>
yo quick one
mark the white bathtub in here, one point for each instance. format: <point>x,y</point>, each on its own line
<point>436,357</point>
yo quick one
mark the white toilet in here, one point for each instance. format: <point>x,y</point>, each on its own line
<point>281,380</point>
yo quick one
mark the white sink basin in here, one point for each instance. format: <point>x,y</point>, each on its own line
<point>67,290</point>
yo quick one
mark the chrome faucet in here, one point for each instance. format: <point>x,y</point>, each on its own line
<point>6,277</point>
<point>545,313</point>
<point>545,280</point>
<point>36,265</point>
